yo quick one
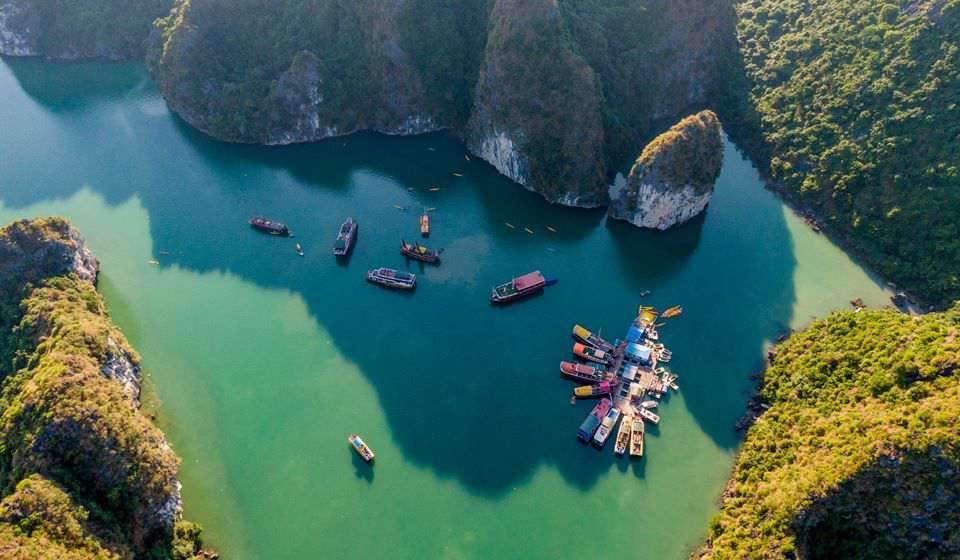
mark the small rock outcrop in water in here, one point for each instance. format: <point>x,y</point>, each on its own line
<point>672,180</point>
<point>91,473</point>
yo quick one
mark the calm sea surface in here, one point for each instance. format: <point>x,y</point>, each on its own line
<point>262,362</point>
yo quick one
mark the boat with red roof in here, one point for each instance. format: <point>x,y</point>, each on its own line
<point>518,288</point>
<point>583,373</point>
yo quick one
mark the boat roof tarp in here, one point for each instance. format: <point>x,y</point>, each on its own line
<point>528,280</point>
<point>639,352</point>
<point>581,332</point>
<point>630,372</point>
<point>635,334</point>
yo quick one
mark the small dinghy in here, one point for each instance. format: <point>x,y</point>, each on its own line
<point>362,449</point>
<point>649,405</point>
<point>299,249</point>
<point>425,224</point>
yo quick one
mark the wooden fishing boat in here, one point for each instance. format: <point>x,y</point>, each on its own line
<point>636,437</point>
<point>590,353</point>
<point>269,226</point>
<point>648,415</point>
<point>425,224</point>
<point>345,238</point>
<point>607,425</point>
<point>583,373</point>
<point>623,435</point>
<point>592,422</point>
<point>591,391</point>
<point>590,339</point>
<point>672,312</point>
<point>419,252</point>
<point>362,449</point>
<point>518,288</point>
<point>391,278</point>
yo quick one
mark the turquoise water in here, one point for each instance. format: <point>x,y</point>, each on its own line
<point>263,362</point>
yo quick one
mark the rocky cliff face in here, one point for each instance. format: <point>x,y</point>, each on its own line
<point>69,399</point>
<point>80,29</point>
<point>672,180</point>
<point>543,130</point>
<point>550,92</point>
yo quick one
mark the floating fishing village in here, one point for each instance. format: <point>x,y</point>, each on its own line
<point>627,376</point>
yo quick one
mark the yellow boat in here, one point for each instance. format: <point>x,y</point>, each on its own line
<point>672,312</point>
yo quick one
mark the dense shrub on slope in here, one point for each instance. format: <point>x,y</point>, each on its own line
<point>857,101</point>
<point>858,455</point>
<point>73,29</point>
<point>74,448</point>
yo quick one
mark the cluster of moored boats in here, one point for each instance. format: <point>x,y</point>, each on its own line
<point>516,289</point>
<point>627,376</point>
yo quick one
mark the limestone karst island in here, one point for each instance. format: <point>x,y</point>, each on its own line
<point>474,279</point>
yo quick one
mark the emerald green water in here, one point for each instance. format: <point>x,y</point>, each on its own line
<point>263,362</point>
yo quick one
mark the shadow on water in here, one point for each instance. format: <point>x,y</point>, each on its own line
<point>361,469</point>
<point>73,87</point>
<point>503,406</point>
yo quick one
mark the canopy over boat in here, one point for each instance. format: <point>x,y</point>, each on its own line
<point>635,334</point>
<point>639,352</point>
<point>530,280</point>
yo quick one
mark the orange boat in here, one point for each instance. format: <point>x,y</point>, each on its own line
<point>590,353</point>
<point>425,224</point>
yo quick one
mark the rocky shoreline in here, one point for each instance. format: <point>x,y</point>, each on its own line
<point>62,354</point>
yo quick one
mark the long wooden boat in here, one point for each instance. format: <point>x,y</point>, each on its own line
<point>590,353</point>
<point>391,278</point>
<point>672,312</point>
<point>362,449</point>
<point>636,438</point>
<point>585,336</point>
<point>345,238</point>
<point>269,226</point>
<point>592,422</point>
<point>623,435</point>
<point>425,224</point>
<point>594,390</point>
<point>518,288</point>
<point>607,425</point>
<point>583,373</point>
<point>648,414</point>
<point>419,252</point>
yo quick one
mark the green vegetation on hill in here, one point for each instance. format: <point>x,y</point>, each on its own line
<point>83,471</point>
<point>857,103</point>
<point>858,454</point>
<point>690,153</point>
<point>572,86</point>
<point>90,28</point>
